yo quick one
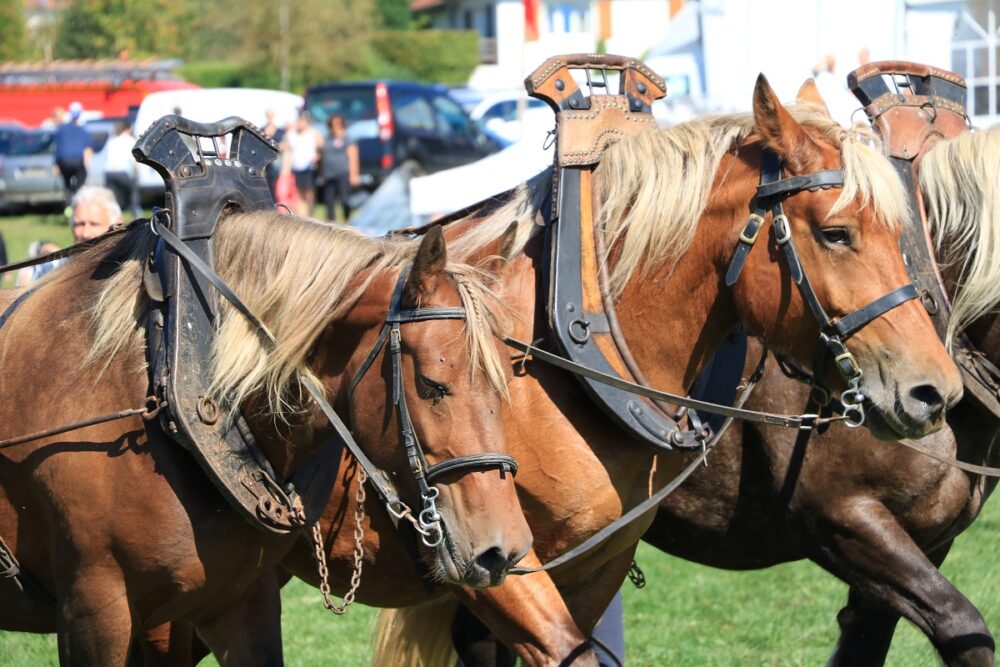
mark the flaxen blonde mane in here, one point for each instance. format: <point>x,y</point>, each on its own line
<point>654,187</point>
<point>297,275</point>
<point>958,179</point>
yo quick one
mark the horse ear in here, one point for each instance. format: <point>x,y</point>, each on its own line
<point>428,266</point>
<point>780,131</point>
<point>809,94</point>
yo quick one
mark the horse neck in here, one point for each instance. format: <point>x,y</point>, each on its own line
<point>346,340</point>
<point>674,318</point>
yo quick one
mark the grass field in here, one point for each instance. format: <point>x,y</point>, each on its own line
<point>687,615</point>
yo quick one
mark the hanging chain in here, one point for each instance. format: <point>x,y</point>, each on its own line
<point>359,553</point>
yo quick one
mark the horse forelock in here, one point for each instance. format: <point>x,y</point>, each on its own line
<point>958,179</point>
<point>655,186</point>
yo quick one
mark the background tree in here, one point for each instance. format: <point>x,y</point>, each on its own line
<point>12,40</point>
<point>394,14</point>
<point>142,28</point>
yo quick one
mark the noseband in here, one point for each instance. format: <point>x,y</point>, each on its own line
<point>771,194</point>
<point>429,519</point>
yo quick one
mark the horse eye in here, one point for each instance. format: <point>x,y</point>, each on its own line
<point>430,390</point>
<point>836,236</point>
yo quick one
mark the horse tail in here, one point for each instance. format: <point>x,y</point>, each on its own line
<point>416,636</point>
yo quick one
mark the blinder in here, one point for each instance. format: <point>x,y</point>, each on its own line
<point>771,193</point>
<point>429,518</point>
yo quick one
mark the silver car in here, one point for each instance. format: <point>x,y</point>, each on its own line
<point>27,171</point>
<point>28,176</point>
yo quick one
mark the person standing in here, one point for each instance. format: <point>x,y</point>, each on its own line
<point>338,168</point>
<point>301,154</point>
<point>120,169</point>
<point>272,131</point>
<point>73,151</point>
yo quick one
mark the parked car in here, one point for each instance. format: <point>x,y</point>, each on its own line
<point>396,121</point>
<point>28,176</point>
<point>504,115</point>
<point>27,171</point>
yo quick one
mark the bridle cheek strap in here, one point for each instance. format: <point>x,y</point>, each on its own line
<point>423,473</point>
<point>771,194</point>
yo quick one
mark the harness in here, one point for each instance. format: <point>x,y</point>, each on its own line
<point>179,281</point>
<point>771,194</point>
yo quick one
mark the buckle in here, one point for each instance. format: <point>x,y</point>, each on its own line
<point>754,218</point>
<point>849,358</point>
<point>782,230</point>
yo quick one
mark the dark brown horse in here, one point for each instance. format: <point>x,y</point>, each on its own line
<point>671,206</point>
<point>120,530</point>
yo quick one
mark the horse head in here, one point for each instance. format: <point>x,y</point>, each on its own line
<point>434,390</point>
<point>847,241</point>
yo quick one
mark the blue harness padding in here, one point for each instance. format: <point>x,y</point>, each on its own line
<point>720,377</point>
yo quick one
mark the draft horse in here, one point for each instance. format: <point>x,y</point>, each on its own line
<point>878,516</point>
<point>117,530</point>
<point>671,205</point>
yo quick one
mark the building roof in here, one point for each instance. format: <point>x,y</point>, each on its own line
<point>423,5</point>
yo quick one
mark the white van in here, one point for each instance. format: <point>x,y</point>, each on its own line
<point>209,105</point>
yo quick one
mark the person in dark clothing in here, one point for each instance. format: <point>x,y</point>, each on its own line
<point>338,168</point>
<point>73,152</point>
<point>3,251</point>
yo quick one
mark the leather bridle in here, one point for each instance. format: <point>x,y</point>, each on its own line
<point>771,194</point>
<point>429,519</point>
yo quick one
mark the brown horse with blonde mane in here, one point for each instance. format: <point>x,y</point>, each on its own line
<point>116,527</point>
<point>880,517</point>
<point>670,204</point>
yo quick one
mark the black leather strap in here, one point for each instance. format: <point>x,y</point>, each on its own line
<point>485,460</point>
<point>848,324</point>
<point>828,178</point>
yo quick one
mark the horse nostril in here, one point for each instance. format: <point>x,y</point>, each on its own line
<point>494,562</point>
<point>930,398</point>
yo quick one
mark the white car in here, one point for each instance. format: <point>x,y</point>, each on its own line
<point>507,116</point>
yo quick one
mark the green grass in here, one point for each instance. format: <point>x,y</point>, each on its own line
<point>687,615</point>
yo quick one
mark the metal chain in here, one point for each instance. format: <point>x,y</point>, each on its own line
<point>359,553</point>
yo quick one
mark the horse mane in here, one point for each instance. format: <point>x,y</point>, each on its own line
<point>651,214</point>
<point>958,182</point>
<point>297,275</point>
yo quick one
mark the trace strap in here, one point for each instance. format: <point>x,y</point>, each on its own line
<point>654,500</point>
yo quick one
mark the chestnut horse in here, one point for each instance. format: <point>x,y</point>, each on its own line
<point>880,517</point>
<point>120,531</point>
<point>672,204</point>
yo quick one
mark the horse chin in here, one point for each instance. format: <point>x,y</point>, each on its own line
<point>890,425</point>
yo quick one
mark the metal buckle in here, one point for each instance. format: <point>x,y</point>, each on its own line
<point>853,401</point>
<point>750,240</point>
<point>782,230</point>
<point>855,369</point>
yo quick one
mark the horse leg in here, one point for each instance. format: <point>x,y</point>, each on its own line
<point>248,632</point>
<point>94,622</point>
<point>528,614</point>
<point>880,561</point>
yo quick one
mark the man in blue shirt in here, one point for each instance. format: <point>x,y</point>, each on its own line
<point>73,151</point>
